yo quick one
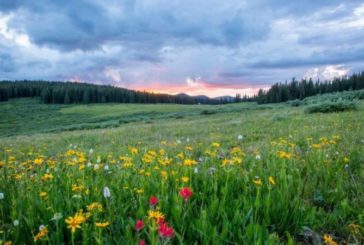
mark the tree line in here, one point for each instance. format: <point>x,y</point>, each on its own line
<point>77,93</point>
<point>293,90</point>
<point>83,93</point>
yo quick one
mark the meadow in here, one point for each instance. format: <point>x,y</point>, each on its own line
<point>180,174</point>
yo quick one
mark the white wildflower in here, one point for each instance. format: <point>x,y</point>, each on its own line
<point>107,193</point>
<point>57,216</point>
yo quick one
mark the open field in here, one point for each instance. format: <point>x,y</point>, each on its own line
<point>258,174</point>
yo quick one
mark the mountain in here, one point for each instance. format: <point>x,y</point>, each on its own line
<point>225,98</point>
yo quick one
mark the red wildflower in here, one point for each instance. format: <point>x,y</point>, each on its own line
<point>165,231</point>
<point>142,242</point>
<point>153,201</point>
<point>139,225</point>
<point>185,193</point>
<point>160,221</point>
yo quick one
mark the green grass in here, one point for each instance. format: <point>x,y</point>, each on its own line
<point>316,161</point>
<point>28,116</point>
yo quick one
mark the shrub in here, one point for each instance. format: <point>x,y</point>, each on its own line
<point>295,103</point>
<point>346,95</point>
<point>332,106</point>
<point>208,112</point>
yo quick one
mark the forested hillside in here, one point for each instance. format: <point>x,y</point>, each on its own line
<point>84,93</point>
<point>77,93</point>
<point>281,92</point>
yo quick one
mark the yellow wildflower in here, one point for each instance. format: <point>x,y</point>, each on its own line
<point>75,221</point>
<point>188,148</point>
<point>271,180</point>
<point>185,179</point>
<point>102,225</point>
<point>328,240</point>
<point>354,228</point>
<point>258,182</point>
<point>133,151</point>
<point>43,194</point>
<point>181,155</point>
<point>38,161</point>
<point>164,174</point>
<point>189,162</point>
<point>47,177</point>
<point>152,214</point>
<point>95,206</point>
<point>139,191</point>
<point>284,155</point>
<point>42,233</point>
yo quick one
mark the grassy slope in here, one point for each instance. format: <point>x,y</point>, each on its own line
<point>28,116</point>
<point>304,176</point>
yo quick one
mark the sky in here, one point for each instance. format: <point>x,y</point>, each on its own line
<point>209,47</point>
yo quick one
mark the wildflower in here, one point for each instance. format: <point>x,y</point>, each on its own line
<point>211,170</point>
<point>47,177</point>
<point>216,145</point>
<point>165,231</point>
<point>284,155</point>
<point>180,155</point>
<point>106,167</point>
<point>346,160</point>
<point>1,195</point>
<point>240,137</point>
<point>354,228</point>
<point>185,193</point>
<point>164,174</point>
<point>139,225</point>
<point>153,201</point>
<point>43,231</point>
<point>94,206</point>
<point>43,194</point>
<point>189,162</point>
<point>155,215</point>
<point>195,170</point>
<point>75,221</point>
<point>96,166</point>
<point>102,225</point>
<point>257,157</point>
<point>107,193</point>
<point>328,240</point>
<point>16,222</point>
<point>271,180</point>
<point>139,191</point>
<point>57,216</point>
<point>142,242</point>
<point>38,161</point>
<point>91,151</point>
<point>258,182</point>
<point>185,179</point>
